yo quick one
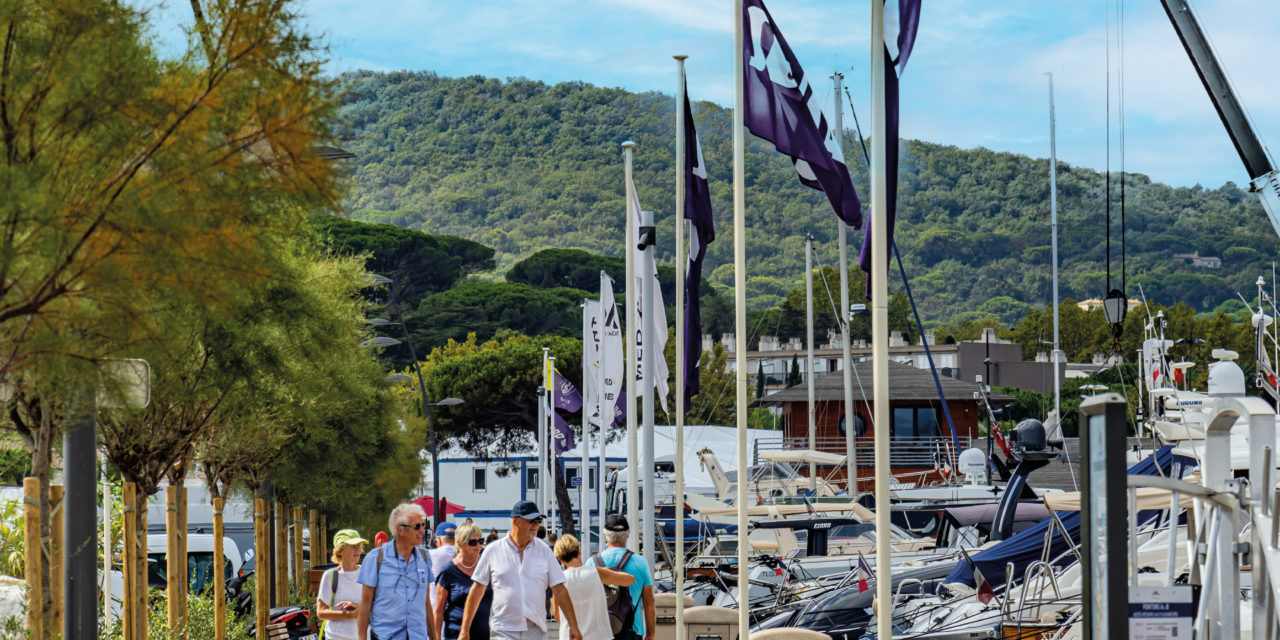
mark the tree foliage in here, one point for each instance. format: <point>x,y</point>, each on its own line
<point>521,166</point>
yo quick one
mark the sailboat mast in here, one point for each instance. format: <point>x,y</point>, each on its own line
<point>846,357</point>
<point>1053,217</point>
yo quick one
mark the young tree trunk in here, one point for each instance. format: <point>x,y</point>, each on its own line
<point>563,505</point>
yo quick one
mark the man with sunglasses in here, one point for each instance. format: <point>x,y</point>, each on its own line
<point>397,579</point>
<point>519,568</point>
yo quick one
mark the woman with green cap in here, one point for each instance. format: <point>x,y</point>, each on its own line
<point>338,600</point>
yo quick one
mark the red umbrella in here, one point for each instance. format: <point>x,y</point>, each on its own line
<point>428,504</point>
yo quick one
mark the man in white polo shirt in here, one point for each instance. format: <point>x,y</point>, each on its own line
<point>519,568</point>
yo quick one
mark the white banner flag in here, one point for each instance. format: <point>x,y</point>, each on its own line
<point>659,321</point>
<point>602,347</point>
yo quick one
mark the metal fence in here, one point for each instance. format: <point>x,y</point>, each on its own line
<point>903,452</point>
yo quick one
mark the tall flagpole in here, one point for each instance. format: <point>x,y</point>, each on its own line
<point>584,506</point>
<point>606,423</point>
<point>651,356</point>
<point>880,320</point>
<point>633,472</point>
<point>680,329</point>
<point>552,468</point>
<point>1053,208</point>
<point>544,450</point>
<point>808,302</point>
<point>846,353</point>
<point>740,318</point>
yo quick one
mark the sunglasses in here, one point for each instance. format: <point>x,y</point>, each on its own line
<point>415,527</point>
<point>474,542</point>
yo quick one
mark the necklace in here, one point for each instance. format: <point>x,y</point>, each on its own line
<point>467,566</point>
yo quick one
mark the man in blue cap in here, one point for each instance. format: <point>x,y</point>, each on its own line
<point>443,554</point>
<point>519,568</point>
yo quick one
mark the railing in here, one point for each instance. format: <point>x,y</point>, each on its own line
<point>922,453</point>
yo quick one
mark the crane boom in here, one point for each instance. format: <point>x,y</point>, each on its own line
<point>1264,179</point>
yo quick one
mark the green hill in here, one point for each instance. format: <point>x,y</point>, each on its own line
<point>521,166</point>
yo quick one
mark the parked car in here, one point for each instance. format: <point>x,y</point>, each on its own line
<point>200,565</point>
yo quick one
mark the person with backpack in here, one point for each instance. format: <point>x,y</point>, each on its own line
<point>588,588</point>
<point>338,600</point>
<point>396,579</point>
<point>519,568</point>
<point>619,558</point>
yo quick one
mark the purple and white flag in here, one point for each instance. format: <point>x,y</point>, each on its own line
<point>908,23</point>
<point>781,107</point>
<point>697,209</point>
<point>567,396</point>
<point>620,411</point>
<point>562,434</point>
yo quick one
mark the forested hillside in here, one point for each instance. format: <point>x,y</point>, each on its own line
<point>520,166</point>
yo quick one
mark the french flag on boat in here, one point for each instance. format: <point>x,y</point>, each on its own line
<point>781,106</point>
<point>864,573</point>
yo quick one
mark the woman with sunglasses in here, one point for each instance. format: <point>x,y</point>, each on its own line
<point>453,584</point>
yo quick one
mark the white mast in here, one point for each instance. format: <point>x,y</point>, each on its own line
<point>553,473</point>
<point>633,473</point>
<point>740,318</point>
<point>846,355</point>
<point>680,329</point>
<point>606,422</point>
<point>544,419</point>
<point>813,413</point>
<point>651,355</point>
<point>880,320</point>
<point>1053,214</point>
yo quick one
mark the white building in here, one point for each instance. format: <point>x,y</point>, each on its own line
<point>489,488</point>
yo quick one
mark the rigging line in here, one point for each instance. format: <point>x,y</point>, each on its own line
<point>937,382</point>
<point>857,127</point>
<point>1108,142</point>
<point>1120,89</point>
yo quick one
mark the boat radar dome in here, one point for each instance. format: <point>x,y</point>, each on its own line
<point>1029,435</point>
<point>973,465</point>
<point>1225,376</point>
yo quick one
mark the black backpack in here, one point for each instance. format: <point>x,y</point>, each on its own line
<point>622,611</point>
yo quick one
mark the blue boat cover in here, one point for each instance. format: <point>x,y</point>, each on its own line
<point>1028,545</point>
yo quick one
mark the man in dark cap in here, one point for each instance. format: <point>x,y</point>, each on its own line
<point>616,532</point>
<point>520,568</point>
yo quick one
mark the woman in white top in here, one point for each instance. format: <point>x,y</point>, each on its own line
<point>339,604</point>
<point>586,591</point>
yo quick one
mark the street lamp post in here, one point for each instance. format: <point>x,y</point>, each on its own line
<point>382,341</point>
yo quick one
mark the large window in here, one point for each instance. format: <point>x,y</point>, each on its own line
<point>859,426</point>
<point>479,479</point>
<point>915,422</point>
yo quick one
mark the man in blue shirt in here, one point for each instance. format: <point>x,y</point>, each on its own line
<point>397,579</point>
<point>616,532</point>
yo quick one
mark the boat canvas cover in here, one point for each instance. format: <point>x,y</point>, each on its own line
<point>803,456</point>
<point>1028,546</point>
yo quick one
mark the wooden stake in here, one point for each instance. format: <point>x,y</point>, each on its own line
<point>262,562</point>
<point>282,554</point>
<point>129,599</point>
<point>142,590</point>
<point>299,571</point>
<point>172,560</point>
<point>324,537</point>
<point>57,559</point>
<point>219,575</point>
<point>32,554</point>
<point>183,572</point>
<point>313,521</point>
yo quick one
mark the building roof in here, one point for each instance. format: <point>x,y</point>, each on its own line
<point>905,383</point>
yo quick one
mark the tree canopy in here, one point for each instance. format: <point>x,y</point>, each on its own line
<point>521,166</point>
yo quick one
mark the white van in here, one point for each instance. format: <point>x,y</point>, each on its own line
<point>200,564</point>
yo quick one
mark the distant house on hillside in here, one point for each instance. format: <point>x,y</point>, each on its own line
<point>1198,260</point>
<point>1095,303</point>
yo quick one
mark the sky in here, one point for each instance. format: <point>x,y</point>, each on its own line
<point>976,77</point>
